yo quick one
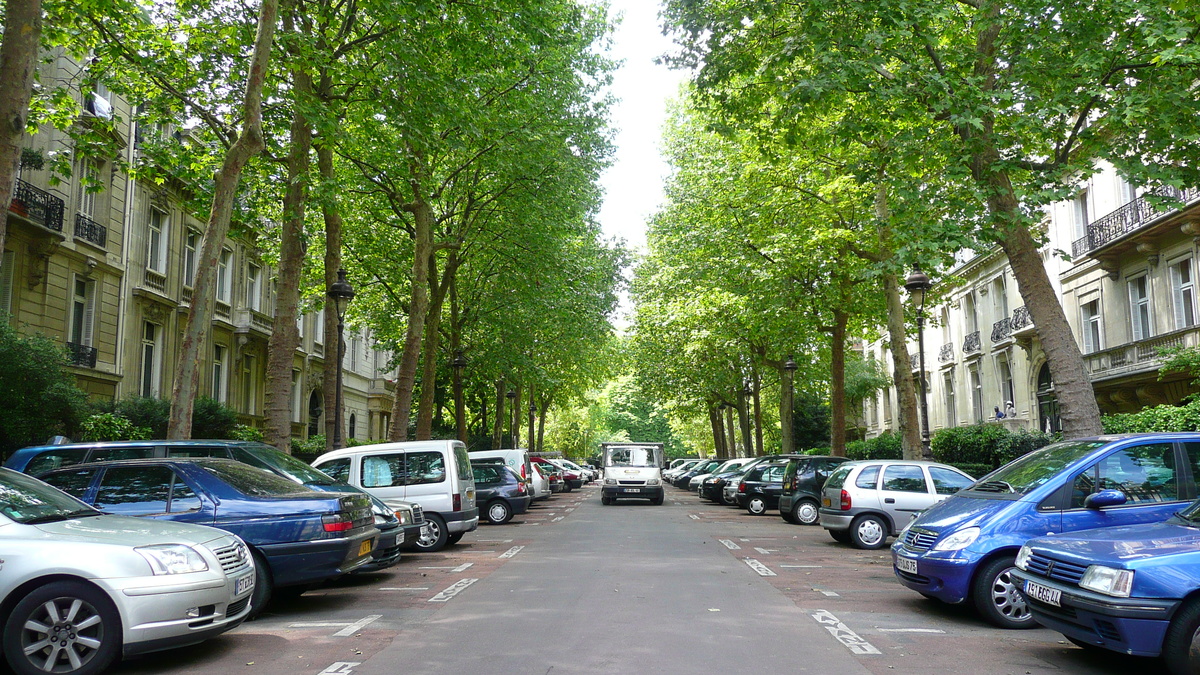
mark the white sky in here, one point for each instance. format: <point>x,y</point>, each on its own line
<point>633,186</point>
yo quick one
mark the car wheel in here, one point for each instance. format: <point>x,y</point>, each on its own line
<point>498,512</point>
<point>840,536</point>
<point>996,596</point>
<point>805,512</point>
<point>726,501</point>
<point>433,535</point>
<point>264,586</point>
<point>1181,647</point>
<point>63,627</point>
<point>756,506</point>
<point>657,501</point>
<point>454,538</point>
<point>868,532</point>
<point>787,517</point>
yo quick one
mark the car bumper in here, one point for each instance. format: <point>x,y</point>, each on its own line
<point>836,520</point>
<point>387,550</point>
<point>1134,626</point>
<point>412,533</point>
<point>466,520</point>
<point>519,504</point>
<point>785,503</point>
<point>632,491</point>
<point>312,561</point>
<point>945,575</point>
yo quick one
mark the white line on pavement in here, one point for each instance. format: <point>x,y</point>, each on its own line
<point>802,567</point>
<point>555,520</point>
<point>693,516</point>
<point>910,630</point>
<point>511,552</point>
<point>843,634</point>
<point>357,626</point>
<point>340,668</point>
<point>496,541</point>
<point>407,588</point>
<point>729,544</point>
<point>766,551</point>
<point>828,594</point>
<point>763,570</point>
<point>453,590</point>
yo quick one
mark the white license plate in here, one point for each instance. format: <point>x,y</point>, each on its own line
<point>906,565</point>
<point>1050,596</point>
<point>244,584</point>
<point>632,490</point>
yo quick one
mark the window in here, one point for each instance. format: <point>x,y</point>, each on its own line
<point>1126,191</point>
<point>249,381</point>
<point>1183,294</point>
<point>74,483</point>
<point>319,327</point>
<point>191,247</point>
<point>422,468</point>
<point>969,313</point>
<point>1090,314</point>
<point>948,391</point>
<point>1139,307</point>
<point>7,263</point>
<point>887,408</point>
<point>999,298</point>
<point>945,319</point>
<point>868,478</point>
<point>151,357</point>
<point>1004,372</point>
<point>904,478</point>
<point>218,379</point>
<point>300,320</point>
<point>296,396</point>
<point>156,242</point>
<point>223,280</point>
<point>382,470</point>
<point>338,469</point>
<point>976,393</point>
<point>947,482</point>
<point>253,289</point>
<point>83,312</point>
<point>85,199</point>
<point>354,342</point>
<point>1145,473</point>
<point>1079,214</point>
<point>132,491</point>
<point>350,426</point>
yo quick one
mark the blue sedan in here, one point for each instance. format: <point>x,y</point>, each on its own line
<point>298,536</point>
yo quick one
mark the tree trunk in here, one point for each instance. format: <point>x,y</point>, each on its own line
<point>516,413</point>
<point>743,410</point>
<point>714,419</point>
<point>332,214</point>
<point>541,434</point>
<point>787,404</point>
<point>418,308</point>
<point>460,412</point>
<point>731,449</point>
<point>199,319</point>
<point>837,384</point>
<point>498,425</point>
<point>758,430</point>
<point>281,347</point>
<point>906,389</point>
<point>18,62</point>
<point>433,336</point>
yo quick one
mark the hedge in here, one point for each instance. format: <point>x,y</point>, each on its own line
<point>1159,418</point>
<point>883,446</point>
<point>979,448</point>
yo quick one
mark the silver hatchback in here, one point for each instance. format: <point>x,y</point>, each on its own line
<point>865,502</point>
<point>80,589</point>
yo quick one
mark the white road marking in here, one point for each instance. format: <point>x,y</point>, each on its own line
<point>763,570</point>
<point>555,520</point>
<point>693,516</point>
<point>766,551</point>
<point>319,624</point>
<point>496,541</point>
<point>910,630</point>
<point>828,594</point>
<point>453,590</point>
<point>729,544</point>
<point>802,567</point>
<point>511,552</point>
<point>472,550</point>
<point>461,568</point>
<point>569,510</point>
<point>357,626</point>
<point>408,588</point>
<point>340,668</point>
<point>843,634</point>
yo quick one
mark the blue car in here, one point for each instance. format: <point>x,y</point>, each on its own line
<point>297,536</point>
<point>1132,589</point>
<point>964,548</point>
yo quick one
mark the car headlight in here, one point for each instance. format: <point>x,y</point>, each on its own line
<point>405,516</point>
<point>959,540</point>
<point>172,559</point>
<point>1023,557</point>
<point>652,481</point>
<point>1108,580</point>
<point>610,481</point>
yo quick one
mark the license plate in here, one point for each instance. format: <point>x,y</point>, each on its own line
<point>244,584</point>
<point>824,501</point>
<point>906,565</point>
<point>365,547</point>
<point>632,490</point>
<point>1050,596</point>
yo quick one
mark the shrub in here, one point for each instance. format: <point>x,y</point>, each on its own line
<point>1158,418</point>
<point>884,446</point>
<point>310,448</point>
<point>242,432</point>
<point>38,397</point>
<point>212,419</point>
<point>984,446</point>
<point>1020,442</point>
<point>112,427</point>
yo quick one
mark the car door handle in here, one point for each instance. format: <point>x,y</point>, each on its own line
<point>889,500</point>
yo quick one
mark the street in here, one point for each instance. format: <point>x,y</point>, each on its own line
<point>577,587</point>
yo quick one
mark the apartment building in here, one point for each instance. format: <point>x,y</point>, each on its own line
<point>106,264</point>
<point>1124,270</point>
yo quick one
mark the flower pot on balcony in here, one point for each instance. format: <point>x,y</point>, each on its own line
<point>17,206</point>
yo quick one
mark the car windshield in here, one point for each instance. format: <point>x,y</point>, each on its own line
<point>253,481</point>
<point>30,501</point>
<point>1028,472</point>
<point>632,455</point>
<point>266,457</point>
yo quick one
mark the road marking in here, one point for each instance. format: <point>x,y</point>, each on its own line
<point>555,520</point>
<point>802,567</point>
<point>340,668</point>
<point>319,624</point>
<point>453,590</point>
<point>910,630</point>
<point>569,510</point>
<point>496,541</point>
<point>472,550</point>
<point>407,588</point>
<point>357,626</point>
<point>729,544</point>
<point>763,570</point>
<point>461,568</point>
<point>693,516</point>
<point>828,594</point>
<point>511,552</point>
<point>843,634</point>
<point>766,551</point>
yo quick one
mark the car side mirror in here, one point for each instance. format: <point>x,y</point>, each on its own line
<point>1099,500</point>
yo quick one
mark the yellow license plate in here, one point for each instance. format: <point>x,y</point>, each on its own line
<point>825,501</point>
<point>365,547</point>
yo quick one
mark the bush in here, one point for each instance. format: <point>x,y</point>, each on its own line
<point>883,446</point>
<point>309,448</point>
<point>112,427</point>
<point>1159,418</point>
<point>241,432</point>
<point>38,397</point>
<point>988,445</point>
<point>210,418</point>
<point>1021,442</point>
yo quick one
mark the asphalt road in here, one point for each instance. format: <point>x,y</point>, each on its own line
<point>577,587</point>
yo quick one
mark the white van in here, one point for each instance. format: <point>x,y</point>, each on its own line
<point>435,474</point>
<point>515,459</point>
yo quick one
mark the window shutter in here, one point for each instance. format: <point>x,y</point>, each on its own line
<point>1089,345</point>
<point>1135,310</point>
<point>7,263</point>
<point>89,314</point>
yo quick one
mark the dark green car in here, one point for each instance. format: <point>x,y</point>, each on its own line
<point>802,480</point>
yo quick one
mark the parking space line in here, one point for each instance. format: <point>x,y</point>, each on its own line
<point>357,626</point>
<point>802,567</point>
<point>843,634</point>
<point>555,520</point>
<point>511,552</point>
<point>340,668</point>
<point>828,594</point>
<point>763,570</point>
<point>453,590</point>
<point>693,516</point>
<point>496,541</point>
<point>730,545</point>
<point>910,630</point>
<point>461,568</point>
<point>766,551</point>
<point>406,588</point>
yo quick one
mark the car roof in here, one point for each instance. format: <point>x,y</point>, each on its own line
<point>406,446</point>
<point>150,461</point>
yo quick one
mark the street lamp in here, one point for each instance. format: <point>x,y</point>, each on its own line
<point>512,417</point>
<point>917,284</point>
<point>458,364</point>
<point>340,293</point>
<point>787,430</point>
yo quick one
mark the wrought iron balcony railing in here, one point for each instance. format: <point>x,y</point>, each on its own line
<point>1021,319</point>
<point>971,343</point>
<point>1002,329</point>
<point>90,231</point>
<point>1127,218</point>
<point>946,353</point>
<point>37,205</point>
<point>81,355</point>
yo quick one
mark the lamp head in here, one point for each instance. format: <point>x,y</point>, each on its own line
<point>917,283</point>
<point>341,293</point>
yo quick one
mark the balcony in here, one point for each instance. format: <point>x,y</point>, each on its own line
<point>1139,357</point>
<point>1002,330</point>
<point>1137,215</point>
<point>81,355</point>
<point>252,321</point>
<point>946,353</point>
<point>90,231</point>
<point>37,206</point>
<point>1022,322</point>
<point>155,281</point>
<point>971,343</point>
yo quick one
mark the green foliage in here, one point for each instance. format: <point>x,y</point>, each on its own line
<point>210,419</point>
<point>38,397</point>
<point>112,427</point>
<point>883,446</point>
<point>987,445</point>
<point>810,422</point>
<point>1180,359</point>
<point>1158,418</point>
<point>309,448</point>
<point>242,432</point>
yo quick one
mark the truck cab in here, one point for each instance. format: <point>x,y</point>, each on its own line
<point>632,471</point>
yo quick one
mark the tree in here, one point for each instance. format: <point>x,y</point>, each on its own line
<point>18,61</point>
<point>38,397</point>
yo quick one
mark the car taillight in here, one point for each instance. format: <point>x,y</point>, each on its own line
<point>521,488</point>
<point>457,502</point>
<point>845,500</point>
<point>742,486</point>
<point>337,522</point>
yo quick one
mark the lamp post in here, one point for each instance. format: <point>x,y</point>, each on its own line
<point>340,293</point>
<point>512,417</point>
<point>532,412</point>
<point>787,430</point>
<point>458,364</point>
<point>917,283</point>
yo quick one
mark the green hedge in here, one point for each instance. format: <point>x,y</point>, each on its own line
<point>979,448</point>
<point>883,446</point>
<point>1159,418</point>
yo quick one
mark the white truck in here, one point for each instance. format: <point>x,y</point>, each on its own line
<point>632,470</point>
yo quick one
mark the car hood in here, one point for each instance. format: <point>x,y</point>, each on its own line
<point>1124,545</point>
<point>956,511</point>
<point>128,531</point>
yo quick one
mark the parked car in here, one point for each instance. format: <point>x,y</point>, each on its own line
<point>298,536</point>
<point>758,491</point>
<point>710,486</point>
<point>80,588</point>
<point>434,474</point>
<point>516,459</point>
<point>539,484</point>
<point>682,480</point>
<point>586,475</point>
<point>570,480</point>
<point>964,549</point>
<point>1129,589</point>
<point>677,467</point>
<point>865,502</point>
<point>803,478</point>
<point>36,460</point>
<point>500,491</point>
<point>554,476</point>
<point>698,480</point>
